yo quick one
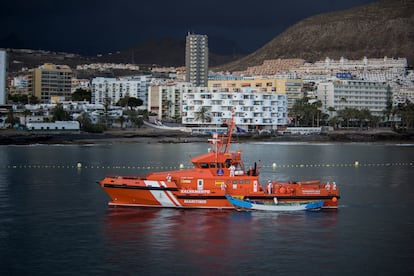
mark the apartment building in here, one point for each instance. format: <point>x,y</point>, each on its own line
<point>292,88</point>
<point>166,100</point>
<point>372,69</point>
<point>252,109</point>
<point>51,83</point>
<point>111,90</point>
<point>196,59</point>
<point>357,94</point>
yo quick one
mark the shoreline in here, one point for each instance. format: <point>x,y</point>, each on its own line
<point>148,135</point>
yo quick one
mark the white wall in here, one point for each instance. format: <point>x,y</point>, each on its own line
<point>2,77</point>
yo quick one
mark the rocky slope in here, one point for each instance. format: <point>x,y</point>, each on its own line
<point>384,28</point>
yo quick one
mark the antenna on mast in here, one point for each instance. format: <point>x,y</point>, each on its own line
<point>230,126</point>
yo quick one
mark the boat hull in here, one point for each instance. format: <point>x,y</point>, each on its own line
<point>160,195</point>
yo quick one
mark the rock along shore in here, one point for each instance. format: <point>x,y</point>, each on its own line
<point>148,135</point>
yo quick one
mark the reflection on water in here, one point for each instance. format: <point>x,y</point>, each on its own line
<point>225,240</point>
<point>57,221</point>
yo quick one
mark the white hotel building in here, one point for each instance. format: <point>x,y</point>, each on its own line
<point>111,90</point>
<point>251,108</point>
<point>356,94</point>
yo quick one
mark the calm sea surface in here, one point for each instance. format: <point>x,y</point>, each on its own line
<point>54,218</point>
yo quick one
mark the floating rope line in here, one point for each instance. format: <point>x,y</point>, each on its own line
<point>274,166</point>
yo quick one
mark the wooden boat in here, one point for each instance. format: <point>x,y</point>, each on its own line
<point>275,206</point>
<point>215,174</point>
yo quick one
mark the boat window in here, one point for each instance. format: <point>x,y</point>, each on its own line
<point>234,181</point>
<point>212,165</point>
<point>247,182</point>
<point>228,162</point>
<point>204,165</point>
<point>241,182</point>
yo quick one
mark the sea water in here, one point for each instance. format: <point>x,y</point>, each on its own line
<point>54,217</point>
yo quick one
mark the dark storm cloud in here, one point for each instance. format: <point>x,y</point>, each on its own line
<point>92,26</point>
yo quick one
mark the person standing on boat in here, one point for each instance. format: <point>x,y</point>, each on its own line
<point>269,186</point>
<point>168,177</point>
<point>232,169</point>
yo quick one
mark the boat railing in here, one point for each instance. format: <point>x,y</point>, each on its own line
<point>133,177</point>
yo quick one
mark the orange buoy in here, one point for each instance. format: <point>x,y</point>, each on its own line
<point>334,199</point>
<point>282,190</point>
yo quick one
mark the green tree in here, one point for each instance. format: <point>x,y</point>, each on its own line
<point>134,102</point>
<point>121,120</point>
<point>81,95</point>
<point>346,115</point>
<point>306,113</point>
<point>18,99</point>
<point>135,118</point>
<point>84,121</point>
<point>26,113</point>
<point>106,103</point>
<point>353,117</point>
<point>60,114</point>
<point>406,112</point>
<point>364,117</point>
<point>11,119</point>
<point>389,106</point>
<point>315,109</point>
<point>130,102</point>
<point>33,100</point>
<point>86,124</point>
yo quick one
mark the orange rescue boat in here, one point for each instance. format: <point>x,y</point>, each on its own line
<point>215,174</point>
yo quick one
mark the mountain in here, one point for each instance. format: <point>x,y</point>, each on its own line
<point>375,30</point>
<point>164,52</point>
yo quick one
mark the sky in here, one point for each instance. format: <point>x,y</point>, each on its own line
<point>91,27</point>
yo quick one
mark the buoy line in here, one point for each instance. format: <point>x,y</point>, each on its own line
<point>80,166</point>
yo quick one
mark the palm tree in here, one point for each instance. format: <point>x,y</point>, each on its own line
<point>121,120</point>
<point>406,113</point>
<point>107,103</point>
<point>388,108</point>
<point>202,115</point>
<point>315,109</point>
<point>10,118</point>
<point>59,113</point>
<point>84,121</point>
<point>26,113</point>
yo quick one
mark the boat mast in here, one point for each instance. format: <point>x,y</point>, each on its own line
<point>230,126</point>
